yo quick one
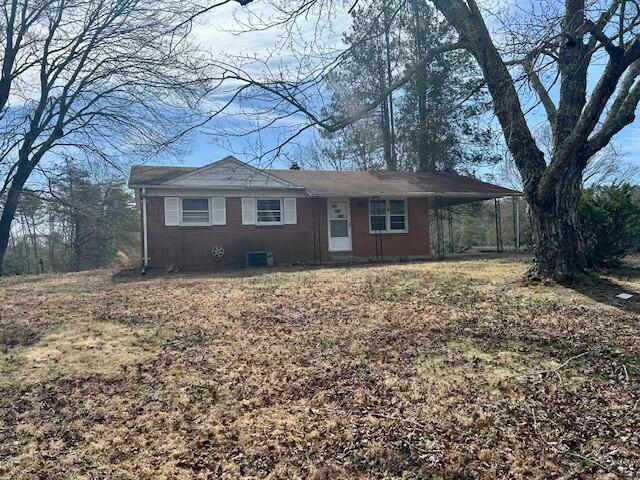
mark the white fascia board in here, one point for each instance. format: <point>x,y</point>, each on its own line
<point>414,194</point>
<point>165,191</point>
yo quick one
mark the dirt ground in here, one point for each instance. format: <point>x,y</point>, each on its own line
<point>449,370</point>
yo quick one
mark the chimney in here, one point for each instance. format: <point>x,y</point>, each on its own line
<point>294,166</point>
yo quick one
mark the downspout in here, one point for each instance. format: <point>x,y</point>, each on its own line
<point>145,246</point>
<point>517,223</point>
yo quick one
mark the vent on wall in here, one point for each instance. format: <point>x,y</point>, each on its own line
<point>259,259</point>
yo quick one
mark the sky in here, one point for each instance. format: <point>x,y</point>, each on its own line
<point>219,33</point>
<point>222,34</point>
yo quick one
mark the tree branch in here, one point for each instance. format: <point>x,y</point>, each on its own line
<point>617,119</point>
<point>542,92</point>
<point>468,22</point>
<point>600,36</point>
<point>329,124</point>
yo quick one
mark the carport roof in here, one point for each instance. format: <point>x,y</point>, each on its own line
<point>371,184</point>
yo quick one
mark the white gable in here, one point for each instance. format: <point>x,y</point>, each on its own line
<point>228,173</point>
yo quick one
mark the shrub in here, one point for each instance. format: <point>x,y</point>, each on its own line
<point>610,220</point>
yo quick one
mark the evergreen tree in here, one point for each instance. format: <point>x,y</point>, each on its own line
<point>80,224</point>
<point>435,122</point>
<point>97,218</point>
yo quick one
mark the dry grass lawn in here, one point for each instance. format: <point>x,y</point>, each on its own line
<point>432,370</point>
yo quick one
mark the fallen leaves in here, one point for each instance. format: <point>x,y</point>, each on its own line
<point>433,370</point>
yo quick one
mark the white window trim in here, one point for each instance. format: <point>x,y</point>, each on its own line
<point>290,213</point>
<point>387,215</point>
<point>258,222</point>
<point>169,209</point>
<point>195,224</point>
<point>209,222</point>
<point>212,205</point>
<point>248,206</point>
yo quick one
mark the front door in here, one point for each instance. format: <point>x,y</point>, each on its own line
<point>339,215</point>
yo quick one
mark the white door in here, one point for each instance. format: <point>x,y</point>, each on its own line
<point>339,216</point>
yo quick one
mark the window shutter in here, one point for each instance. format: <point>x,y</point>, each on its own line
<point>248,211</point>
<point>219,211</point>
<point>290,213</point>
<point>171,211</point>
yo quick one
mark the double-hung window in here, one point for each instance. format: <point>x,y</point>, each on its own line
<point>388,215</point>
<point>195,211</point>
<point>378,215</point>
<point>398,215</point>
<point>269,211</point>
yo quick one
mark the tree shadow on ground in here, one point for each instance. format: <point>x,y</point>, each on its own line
<point>225,271</point>
<point>240,271</point>
<point>16,334</point>
<point>627,271</point>
<point>603,289</point>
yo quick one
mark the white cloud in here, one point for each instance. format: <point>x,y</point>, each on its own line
<point>234,30</point>
<point>225,32</point>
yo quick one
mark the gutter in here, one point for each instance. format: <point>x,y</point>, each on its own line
<point>418,194</point>
<point>217,187</point>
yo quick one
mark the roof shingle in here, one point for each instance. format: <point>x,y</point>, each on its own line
<point>455,188</point>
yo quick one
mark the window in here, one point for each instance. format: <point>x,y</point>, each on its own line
<point>378,215</point>
<point>388,216</point>
<point>195,211</point>
<point>397,215</point>
<point>269,211</point>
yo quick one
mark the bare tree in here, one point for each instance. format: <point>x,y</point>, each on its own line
<point>105,79</point>
<point>553,188</point>
<point>544,48</point>
<point>607,166</point>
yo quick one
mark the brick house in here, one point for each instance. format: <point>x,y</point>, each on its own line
<point>220,213</point>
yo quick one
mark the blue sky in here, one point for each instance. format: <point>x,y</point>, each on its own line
<point>221,34</point>
<point>216,34</point>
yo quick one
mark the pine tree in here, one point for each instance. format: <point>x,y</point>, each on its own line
<point>435,122</point>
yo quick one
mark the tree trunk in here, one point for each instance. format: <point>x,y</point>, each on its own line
<point>50,243</point>
<point>5,229</point>
<point>393,165</point>
<point>10,206</point>
<point>558,247</point>
<point>386,137</point>
<point>425,157</point>
<point>384,120</point>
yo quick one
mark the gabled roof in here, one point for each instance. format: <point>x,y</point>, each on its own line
<point>232,173</point>
<point>151,175</point>
<point>226,173</point>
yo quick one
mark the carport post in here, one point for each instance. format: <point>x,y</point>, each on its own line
<point>516,222</point>
<point>498,225</point>
<point>517,199</point>
<point>514,204</point>
<point>439,228</point>
<point>450,220</point>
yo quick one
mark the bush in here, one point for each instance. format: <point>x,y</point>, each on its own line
<point>610,221</point>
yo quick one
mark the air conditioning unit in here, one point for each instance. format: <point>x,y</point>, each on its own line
<point>260,259</point>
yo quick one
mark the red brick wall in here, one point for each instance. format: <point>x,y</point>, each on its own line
<point>413,243</point>
<point>189,246</point>
<point>305,242</point>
